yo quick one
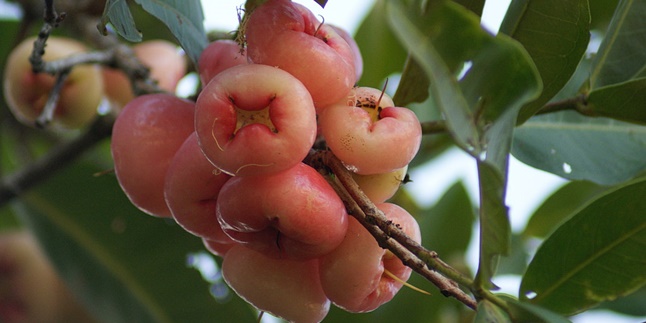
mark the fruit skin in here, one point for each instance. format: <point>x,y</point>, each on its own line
<point>287,35</point>
<point>26,93</point>
<point>381,187</point>
<point>255,119</point>
<point>285,288</point>
<point>191,190</point>
<point>294,214</point>
<point>356,52</point>
<point>30,288</point>
<point>219,247</point>
<point>145,137</point>
<point>367,138</point>
<point>165,61</point>
<point>217,57</point>
<point>355,281</point>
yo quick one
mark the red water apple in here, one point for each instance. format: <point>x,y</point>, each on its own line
<point>294,214</point>
<point>27,92</point>
<point>369,134</point>
<point>288,289</point>
<point>145,137</point>
<point>354,275</point>
<point>255,119</point>
<point>287,35</point>
<point>218,56</point>
<point>191,189</point>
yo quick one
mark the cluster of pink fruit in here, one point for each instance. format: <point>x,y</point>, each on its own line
<point>229,167</point>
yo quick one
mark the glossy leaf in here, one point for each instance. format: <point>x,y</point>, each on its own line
<point>489,312</point>
<point>183,18</point>
<point>444,87</point>
<point>526,312</point>
<point>559,206</point>
<point>495,229</point>
<point>601,12</point>
<point>604,258</point>
<point>118,14</point>
<point>555,33</point>
<point>516,261</point>
<point>566,144</point>
<point>413,85</point>
<point>623,101</point>
<point>632,304</point>
<point>475,6</point>
<point>448,224</point>
<point>622,54</point>
<point>124,265</point>
<point>382,53</point>
<point>480,109</point>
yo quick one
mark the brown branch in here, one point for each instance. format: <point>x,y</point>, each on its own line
<point>50,106</point>
<point>433,127</point>
<point>578,103</point>
<point>388,235</point>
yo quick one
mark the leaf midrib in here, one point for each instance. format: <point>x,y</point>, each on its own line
<point>590,260</point>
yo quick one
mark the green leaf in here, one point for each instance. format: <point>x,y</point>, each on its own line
<point>526,312</point>
<point>600,254</point>
<point>475,6</point>
<point>184,19</point>
<point>488,312</point>
<point>413,85</point>
<point>382,53</point>
<point>447,226</point>
<point>516,262</point>
<point>632,304</point>
<point>8,219</point>
<point>559,207</point>
<point>124,265</point>
<point>566,144</point>
<point>409,27</point>
<point>555,33</point>
<point>495,229</point>
<point>481,108</point>
<point>601,12</point>
<point>622,54</point>
<point>118,14</point>
<point>622,101</point>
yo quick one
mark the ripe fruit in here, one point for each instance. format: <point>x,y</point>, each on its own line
<point>356,52</point>
<point>353,275</point>
<point>217,57</point>
<point>255,119</point>
<point>191,190</point>
<point>219,247</point>
<point>285,288</point>
<point>165,61</point>
<point>145,137</point>
<point>294,214</point>
<point>287,35</point>
<point>26,93</point>
<point>370,135</point>
<point>30,289</point>
<point>381,187</point>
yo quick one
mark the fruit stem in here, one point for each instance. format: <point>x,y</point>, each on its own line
<point>388,235</point>
<point>47,115</point>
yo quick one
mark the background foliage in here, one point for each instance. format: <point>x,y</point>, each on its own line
<point>534,91</point>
